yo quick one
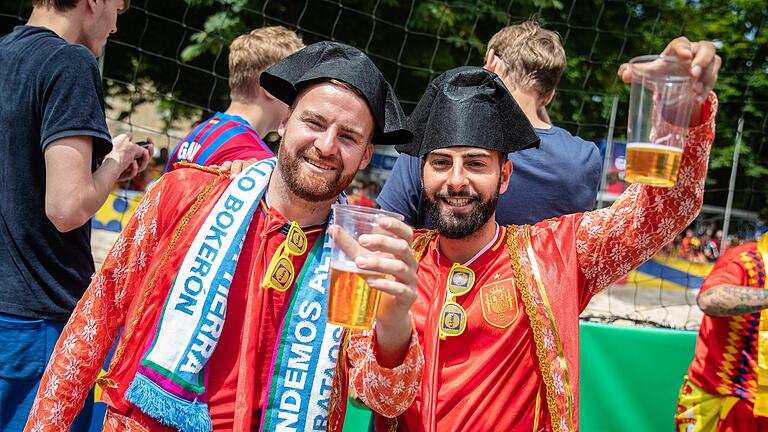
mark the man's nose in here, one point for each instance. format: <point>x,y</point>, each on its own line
<point>326,143</point>
<point>457,178</point>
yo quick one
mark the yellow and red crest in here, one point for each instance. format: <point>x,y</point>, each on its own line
<point>499,301</point>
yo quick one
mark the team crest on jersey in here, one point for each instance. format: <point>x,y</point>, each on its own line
<point>499,302</point>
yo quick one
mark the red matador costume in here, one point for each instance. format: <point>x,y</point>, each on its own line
<point>726,389</point>
<point>129,292</point>
<point>516,365</point>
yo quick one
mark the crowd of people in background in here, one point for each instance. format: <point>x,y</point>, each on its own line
<point>702,245</point>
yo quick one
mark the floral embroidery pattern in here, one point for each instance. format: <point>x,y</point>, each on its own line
<point>608,248</point>
<point>387,391</point>
<point>93,327</point>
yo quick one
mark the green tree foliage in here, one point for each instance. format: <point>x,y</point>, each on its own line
<point>175,51</point>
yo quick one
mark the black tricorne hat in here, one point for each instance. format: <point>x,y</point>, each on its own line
<point>468,106</point>
<point>333,60</point>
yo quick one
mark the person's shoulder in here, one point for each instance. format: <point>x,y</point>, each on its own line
<point>186,172</point>
<point>736,252</point>
<point>190,179</point>
<point>559,147</point>
<point>72,56</point>
<point>563,136</point>
<point>43,50</point>
<point>554,223</point>
<point>60,60</point>
<point>40,41</point>
<point>573,147</point>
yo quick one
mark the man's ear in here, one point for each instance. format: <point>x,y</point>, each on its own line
<point>548,99</point>
<point>367,155</point>
<point>93,4</point>
<point>266,94</point>
<point>283,122</point>
<point>490,60</point>
<point>506,173</point>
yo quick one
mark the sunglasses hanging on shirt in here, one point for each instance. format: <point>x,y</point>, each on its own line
<point>453,317</point>
<point>280,272</point>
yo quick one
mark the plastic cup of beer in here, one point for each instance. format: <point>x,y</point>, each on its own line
<point>351,302</point>
<point>660,104</point>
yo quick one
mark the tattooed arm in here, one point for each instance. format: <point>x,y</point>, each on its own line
<point>727,300</point>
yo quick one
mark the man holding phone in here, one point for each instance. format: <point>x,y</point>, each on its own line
<point>53,131</point>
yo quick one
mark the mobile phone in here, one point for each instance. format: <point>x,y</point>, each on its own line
<point>143,144</point>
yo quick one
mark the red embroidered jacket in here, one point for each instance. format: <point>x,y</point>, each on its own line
<point>128,293</point>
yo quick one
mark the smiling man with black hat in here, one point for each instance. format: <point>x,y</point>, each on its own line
<point>219,283</point>
<point>497,307</point>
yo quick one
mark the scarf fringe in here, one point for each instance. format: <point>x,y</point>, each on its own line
<point>166,408</point>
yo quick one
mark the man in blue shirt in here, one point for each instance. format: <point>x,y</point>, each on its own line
<point>560,177</point>
<point>53,132</point>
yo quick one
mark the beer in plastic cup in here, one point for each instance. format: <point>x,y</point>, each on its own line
<point>351,302</point>
<point>660,105</point>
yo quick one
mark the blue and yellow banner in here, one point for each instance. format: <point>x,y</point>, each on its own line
<point>669,272</point>
<point>117,210</point>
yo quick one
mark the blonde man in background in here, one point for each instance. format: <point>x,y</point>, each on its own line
<point>236,133</point>
<point>530,61</point>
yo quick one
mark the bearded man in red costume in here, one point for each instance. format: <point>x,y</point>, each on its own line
<point>498,306</point>
<point>219,283</point>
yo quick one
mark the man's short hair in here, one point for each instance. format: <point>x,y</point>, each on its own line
<point>535,58</point>
<point>250,54</point>
<point>65,5</point>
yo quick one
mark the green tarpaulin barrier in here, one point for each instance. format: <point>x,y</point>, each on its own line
<point>357,419</point>
<point>630,377</point>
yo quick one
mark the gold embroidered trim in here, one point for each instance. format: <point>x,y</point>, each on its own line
<point>551,316</point>
<point>149,288</point>
<point>538,408</point>
<point>392,425</point>
<point>339,382</point>
<point>538,336</point>
<point>421,242</point>
<point>217,171</point>
<point>104,382</point>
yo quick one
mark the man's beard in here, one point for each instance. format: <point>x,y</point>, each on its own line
<point>457,225</point>
<point>308,187</point>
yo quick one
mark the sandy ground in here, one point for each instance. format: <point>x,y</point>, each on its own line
<point>621,304</point>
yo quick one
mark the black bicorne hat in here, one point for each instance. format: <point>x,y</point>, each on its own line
<point>468,106</point>
<point>333,60</point>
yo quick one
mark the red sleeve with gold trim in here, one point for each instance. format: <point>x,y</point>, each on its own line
<point>611,242</point>
<point>95,322</point>
<point>389,392</point>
